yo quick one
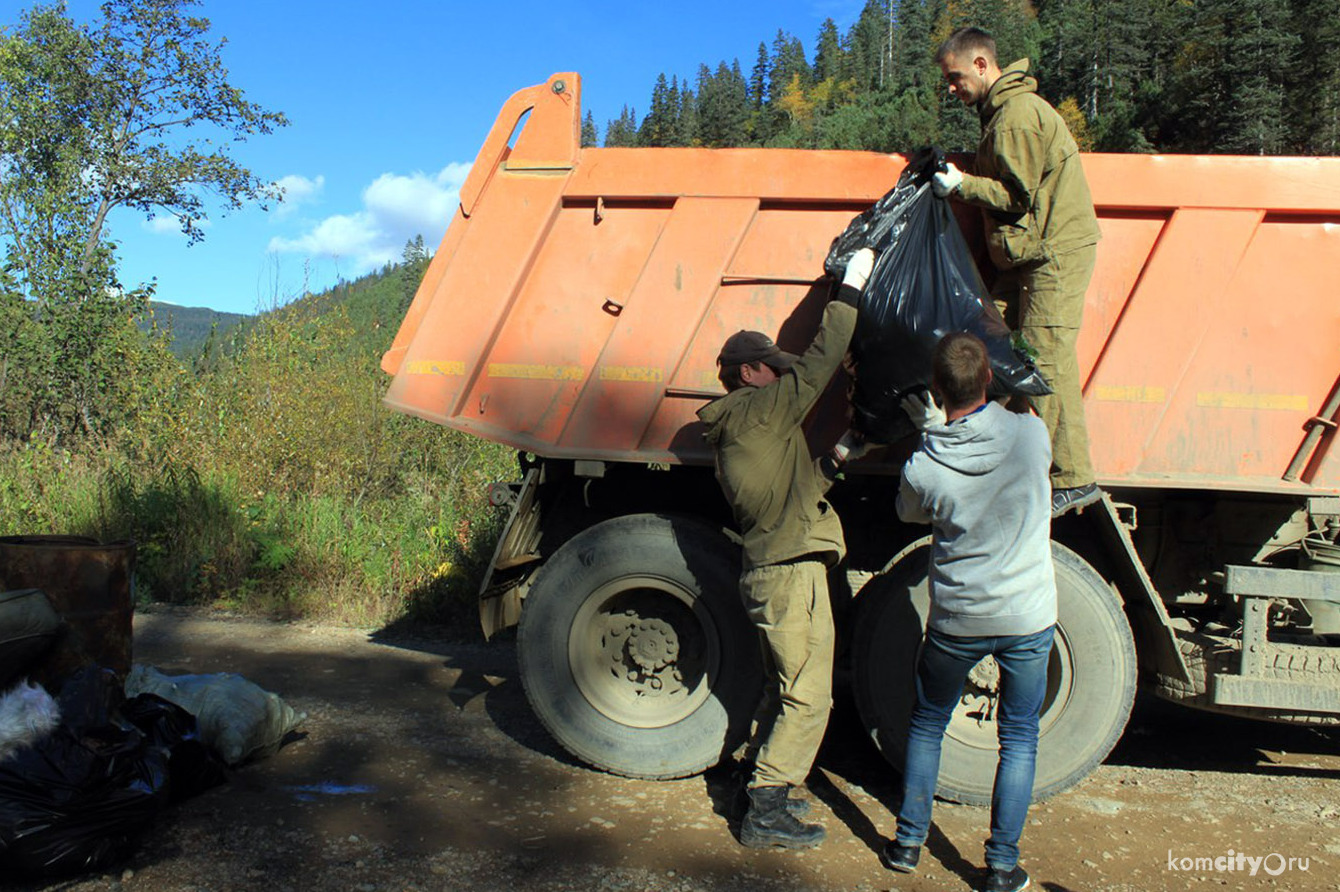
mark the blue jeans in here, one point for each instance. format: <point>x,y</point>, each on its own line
<point>942,669</point>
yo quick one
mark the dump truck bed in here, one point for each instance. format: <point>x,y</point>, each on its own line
<point>579,298</point>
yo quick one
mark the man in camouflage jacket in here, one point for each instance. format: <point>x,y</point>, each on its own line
<point>1041,234</point>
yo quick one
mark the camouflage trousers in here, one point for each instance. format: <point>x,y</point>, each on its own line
<point>1045,303</point>
<point>789,605</point>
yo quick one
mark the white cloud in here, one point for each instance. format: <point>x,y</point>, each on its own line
<point>169,224</point>
<point>396,208</point>
<point>298,191</point>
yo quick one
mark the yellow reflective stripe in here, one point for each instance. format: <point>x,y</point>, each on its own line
<point>435,367</point>
<point>1133,393</point>
<point>1236,400</point>
<point>539,372</point>
<point>631,373</point>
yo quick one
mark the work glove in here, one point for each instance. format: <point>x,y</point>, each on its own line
<point>859,268</point>
<point>855,277</point>
<point>850,447</point>
<point>944,182</point>
<point>923,410</point>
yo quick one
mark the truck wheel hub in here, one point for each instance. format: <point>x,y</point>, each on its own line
<point>652,644</point>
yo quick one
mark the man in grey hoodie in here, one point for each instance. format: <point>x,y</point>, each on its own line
<point>981,479</point>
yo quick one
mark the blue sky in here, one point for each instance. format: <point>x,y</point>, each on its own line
<point>388,104</point>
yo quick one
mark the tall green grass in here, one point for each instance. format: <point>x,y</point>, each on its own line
<point>274,481</point>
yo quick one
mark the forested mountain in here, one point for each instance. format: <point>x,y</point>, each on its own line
<point>188,328</point>
<point>1205,76</point>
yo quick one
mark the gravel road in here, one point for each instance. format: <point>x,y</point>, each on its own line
<point>421,767</point>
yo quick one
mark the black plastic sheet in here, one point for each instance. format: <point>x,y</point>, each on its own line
<point>925,284</point>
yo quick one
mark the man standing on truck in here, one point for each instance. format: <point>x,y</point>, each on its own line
<point>1041,231</point>
<point>791,537</point>
<point>979,477</point>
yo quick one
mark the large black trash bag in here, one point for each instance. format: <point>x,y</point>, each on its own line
<point>80,798</point>
<point>193,766</point>
<point>925,284</point>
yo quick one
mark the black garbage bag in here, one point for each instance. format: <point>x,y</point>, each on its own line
<point>925,284</point>
<point>193,766</point>
<point>80,798</point>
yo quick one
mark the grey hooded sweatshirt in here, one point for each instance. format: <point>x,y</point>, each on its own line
<point>982,482</point>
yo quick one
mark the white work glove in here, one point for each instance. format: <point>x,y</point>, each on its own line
<point>923,410</point>
<point>944,182</point>
<point>859,268</point>
<point>851,447</point>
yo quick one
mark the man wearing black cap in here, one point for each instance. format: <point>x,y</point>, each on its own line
<point>791,537</point>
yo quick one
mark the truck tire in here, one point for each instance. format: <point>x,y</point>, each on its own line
<point>1090,681</point>
<point>635,650</point>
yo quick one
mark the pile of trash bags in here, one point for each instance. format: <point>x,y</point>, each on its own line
<point>83,774</point>
<point>925,284</point>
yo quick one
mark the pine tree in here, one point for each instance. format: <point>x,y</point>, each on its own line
<point>789,68</point>
<point>788,59</point>
<point>1261,48</point>
<point>658,127</point>
<point>1011,22</point>
<point>687,132</point>
<point>1229,90</point>
<point>828,60</point>
<point>758,80</point>
<point>590,137</point>
<point>1099,52</point>
<point>622,131</point>
<point>414,261</point>
<point>867,46</point>
<point>912,55</point>
<point>723,107</point>
<point>674,106</point>
<point>1314,80</point>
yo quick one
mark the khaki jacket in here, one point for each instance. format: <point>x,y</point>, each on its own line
<point>1027,176</point>
<point>763,462</point>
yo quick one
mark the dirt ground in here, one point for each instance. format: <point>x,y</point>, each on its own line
<point>421,767</point>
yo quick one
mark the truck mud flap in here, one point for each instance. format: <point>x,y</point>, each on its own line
<point>1147,608</point>
<point>514,559</point>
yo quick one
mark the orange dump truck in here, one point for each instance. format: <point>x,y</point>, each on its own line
<point>574,311</point>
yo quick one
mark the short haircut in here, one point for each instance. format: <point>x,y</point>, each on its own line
<point>730,377</point>
<point>960,369</point>
<point>967,42</point>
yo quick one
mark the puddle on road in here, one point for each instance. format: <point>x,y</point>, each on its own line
<point>310,792</point>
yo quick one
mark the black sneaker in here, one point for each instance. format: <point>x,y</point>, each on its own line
<point>900,858</point>
<point>1013,880</point>
<point>1068,499</point>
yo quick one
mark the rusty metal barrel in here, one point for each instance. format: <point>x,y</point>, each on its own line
<point>89,584</point>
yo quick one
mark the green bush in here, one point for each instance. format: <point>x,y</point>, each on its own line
<point>273,480</point>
